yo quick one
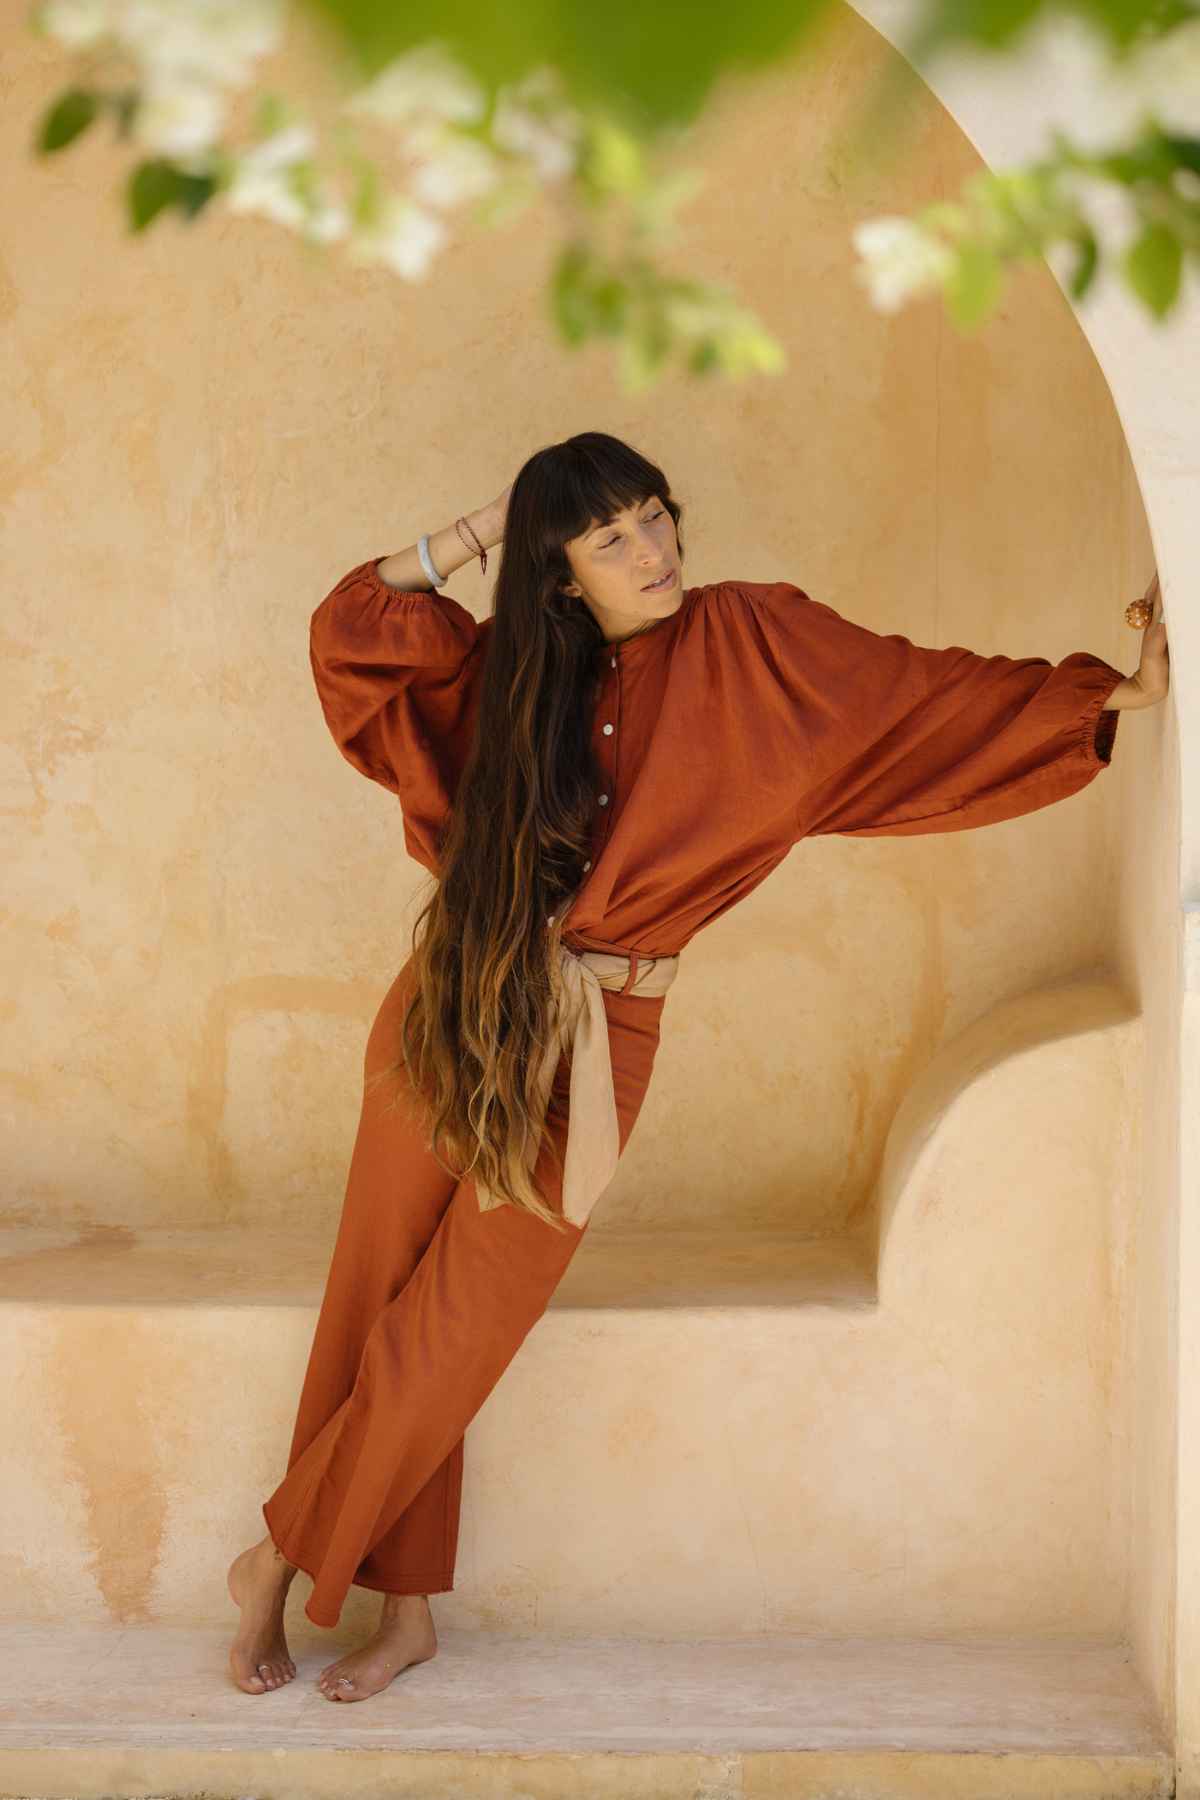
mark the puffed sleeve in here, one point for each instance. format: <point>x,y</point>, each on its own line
<point>896,739</point>
<point>394,673</point>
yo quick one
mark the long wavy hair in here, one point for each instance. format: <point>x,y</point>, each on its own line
<point>512,849</point>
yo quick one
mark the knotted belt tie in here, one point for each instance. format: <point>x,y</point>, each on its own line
<point>580,1021</point>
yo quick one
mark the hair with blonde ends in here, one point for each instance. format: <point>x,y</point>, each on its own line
<point>512,848</point>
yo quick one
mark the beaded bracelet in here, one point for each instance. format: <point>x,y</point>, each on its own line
<point>476,549</point>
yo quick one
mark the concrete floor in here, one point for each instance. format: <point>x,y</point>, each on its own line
<point>150,1710</point>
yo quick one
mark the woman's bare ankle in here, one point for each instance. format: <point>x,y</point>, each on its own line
<point>269,1550</point>
<point>403,1606</point>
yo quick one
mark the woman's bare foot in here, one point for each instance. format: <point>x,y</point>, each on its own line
<point>258,1581</point>
<point>405,1636</point>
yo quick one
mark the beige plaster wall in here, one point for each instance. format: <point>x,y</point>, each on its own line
<point>205,904</point>
<point>210,426</point>
<point>1144,876</point>
<point>1007,106</point>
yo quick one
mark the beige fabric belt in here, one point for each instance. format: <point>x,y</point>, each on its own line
<point>593,1137</point>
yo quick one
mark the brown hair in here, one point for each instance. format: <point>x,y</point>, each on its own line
<point>512,849</point>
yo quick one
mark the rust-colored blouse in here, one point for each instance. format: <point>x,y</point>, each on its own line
<point>751,717</point>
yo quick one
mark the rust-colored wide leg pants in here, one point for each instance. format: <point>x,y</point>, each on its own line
<point>426,1303</point>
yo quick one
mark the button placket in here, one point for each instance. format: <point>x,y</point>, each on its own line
<point>609,703</point>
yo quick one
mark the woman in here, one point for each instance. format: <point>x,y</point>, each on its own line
<point>593,773</point>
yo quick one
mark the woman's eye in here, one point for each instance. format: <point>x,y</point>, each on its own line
<point>608,542</point>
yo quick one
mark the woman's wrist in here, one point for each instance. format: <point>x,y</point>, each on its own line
<point>448,548</point>
<point>451,547</point>
<point>487,526</point>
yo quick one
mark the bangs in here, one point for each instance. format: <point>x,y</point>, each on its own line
<point>590,488</point>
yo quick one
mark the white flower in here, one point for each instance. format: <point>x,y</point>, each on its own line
<point>450,168</point>
<point>328,220</point>
<point>178,117</point>
<point>261,181</point>
<point>291,144</point>
<point>76,23</point>
<point>530,120</point>
<point>271,196</point>
<point>404,237</point>
<point>900,260</point>
<point>426,79</point>
<point>217,41</point>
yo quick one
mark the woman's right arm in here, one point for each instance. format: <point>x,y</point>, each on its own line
<point>391,658</point>
<point>447,551</point>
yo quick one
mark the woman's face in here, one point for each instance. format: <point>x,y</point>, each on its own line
<point>613,563</point>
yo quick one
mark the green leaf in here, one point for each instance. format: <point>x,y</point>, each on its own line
<point>366,198</point>
<point>151,186</point>
<point>194,193</point>
<point>1153,266</point>
<point>1149,159</point>
<point>612,160</point>
<point>1184,150</point>
<point>650,64</point>
<point>63,121</point>
<point>973,285</point>
<point>1086,263</point>
<point>703,358</point>
<point>570,299</point>
<point>610,305</point>
<point>156,184</point>
<point>271,113</point>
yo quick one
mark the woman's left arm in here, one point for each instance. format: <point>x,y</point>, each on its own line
<point>895,738</point>
<point>1150,681</point>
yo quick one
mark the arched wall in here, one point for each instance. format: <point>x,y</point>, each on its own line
<point>262,431</point>
<point>1006,106</point>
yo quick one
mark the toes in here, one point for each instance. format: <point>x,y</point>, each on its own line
<point>334,1687</point>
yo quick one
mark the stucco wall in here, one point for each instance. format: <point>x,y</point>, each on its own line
<point>207,427</point>
<point>210,903</point>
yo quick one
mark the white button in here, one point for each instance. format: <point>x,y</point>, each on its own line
<point>588,863</point>
<point>604,799</point>
<point>608,731</point>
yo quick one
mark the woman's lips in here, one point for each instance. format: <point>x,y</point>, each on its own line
<point>665,583</point>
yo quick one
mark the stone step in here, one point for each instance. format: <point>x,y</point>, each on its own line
<point>92,1710</point>
<point>920,1429</point>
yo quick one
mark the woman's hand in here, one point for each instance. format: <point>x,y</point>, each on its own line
<point>1152,677</point>
<point>1148,685</point>
<point>494,516</point>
